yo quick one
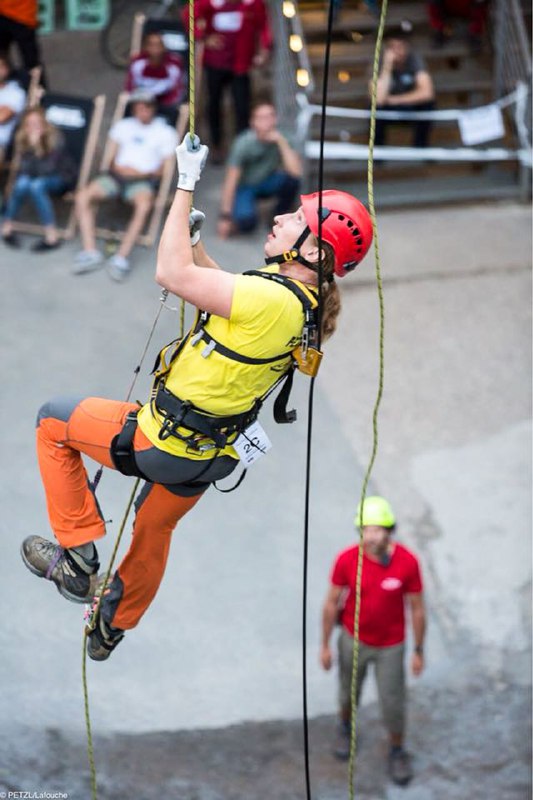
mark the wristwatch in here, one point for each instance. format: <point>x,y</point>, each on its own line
<point>419,649</point>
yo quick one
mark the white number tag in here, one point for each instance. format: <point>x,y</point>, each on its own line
<point>252,444</point>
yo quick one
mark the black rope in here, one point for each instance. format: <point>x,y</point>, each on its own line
<point>311,400</point>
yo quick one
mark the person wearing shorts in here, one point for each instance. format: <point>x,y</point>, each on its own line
<point>141,138</point>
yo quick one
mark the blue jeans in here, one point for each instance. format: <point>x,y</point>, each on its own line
<point>39,190</point>
<point>279,185</point>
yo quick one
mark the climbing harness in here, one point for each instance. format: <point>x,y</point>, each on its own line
<point>178,414</point>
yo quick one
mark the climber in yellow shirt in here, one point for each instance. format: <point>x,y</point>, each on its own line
<point>251,332</point>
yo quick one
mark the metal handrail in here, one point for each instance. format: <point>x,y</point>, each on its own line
<point>512,62</point>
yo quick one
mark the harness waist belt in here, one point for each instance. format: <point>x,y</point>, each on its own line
<point>181,413</point>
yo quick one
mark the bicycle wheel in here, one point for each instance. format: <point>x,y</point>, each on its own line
<point>115,38</point>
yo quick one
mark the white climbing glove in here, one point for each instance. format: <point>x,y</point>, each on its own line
<point>196,220</point>
<point>191,156</point>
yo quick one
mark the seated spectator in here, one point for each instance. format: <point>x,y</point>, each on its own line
<point>12,101</point>
<point>157,71</point>
<point>403,84</point>
<point>141,145</point>
<point>262,163</point>
<point>475,11</point>
<point>45,168</point>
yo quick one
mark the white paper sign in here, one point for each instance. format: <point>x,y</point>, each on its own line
<point>66,116</point>
<point>478,125</point>
<point>252,444</point>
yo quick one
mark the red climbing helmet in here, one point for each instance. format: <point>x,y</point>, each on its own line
<point>346,226</point>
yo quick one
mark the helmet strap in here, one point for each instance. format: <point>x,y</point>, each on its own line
<point>294,253</point>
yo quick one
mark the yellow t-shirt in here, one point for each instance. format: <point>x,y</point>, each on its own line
<point>266,320</point>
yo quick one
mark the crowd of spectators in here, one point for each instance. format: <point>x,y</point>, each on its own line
<point>261,162</point>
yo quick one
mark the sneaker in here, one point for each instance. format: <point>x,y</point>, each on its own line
<point>42,246</point>
<point>118,267</point>
<point>74,576</point>
<point>102,640</point>
<point>341,750</point>
<point>87,261</point>
<point>400,769</point>
<point>12,240</point>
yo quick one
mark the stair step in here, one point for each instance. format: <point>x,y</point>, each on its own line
<point>349,54</point>
<point>355,92</point>
<point>314,20</point>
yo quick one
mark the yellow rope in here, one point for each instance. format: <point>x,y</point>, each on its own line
<point>372,136</point>
<point>91,624</point>
<point>192,71</point>
<point>192,118</point>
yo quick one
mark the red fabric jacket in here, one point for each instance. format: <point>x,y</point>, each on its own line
<point>23,11</point>
<point>167,81</point>
<point>242,26</point>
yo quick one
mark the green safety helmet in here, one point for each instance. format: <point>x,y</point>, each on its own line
<point>377,511</point>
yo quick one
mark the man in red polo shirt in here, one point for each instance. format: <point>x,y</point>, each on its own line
<point>236,36</point>
<point>390,579</point>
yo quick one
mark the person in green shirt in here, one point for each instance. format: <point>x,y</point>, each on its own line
<point>262,163</point>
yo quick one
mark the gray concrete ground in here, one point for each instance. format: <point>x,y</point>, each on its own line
<point>221,644</point>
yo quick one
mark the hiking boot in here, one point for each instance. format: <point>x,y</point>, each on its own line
<point>102,640</point>
<point>74,575</point>
<point>341,751</point>
<point>400,770</point>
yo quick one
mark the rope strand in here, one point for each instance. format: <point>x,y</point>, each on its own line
<point>310,405</point>
<point>359,571</point>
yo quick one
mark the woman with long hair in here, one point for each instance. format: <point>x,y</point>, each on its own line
<point>254,329</point>
<point>45,168</point>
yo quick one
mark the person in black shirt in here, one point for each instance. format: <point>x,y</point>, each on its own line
<point>404,84</point>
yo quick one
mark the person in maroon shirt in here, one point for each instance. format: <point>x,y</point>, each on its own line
<point>236,36</point>
<point>157,71</point>
<point>390,579</point>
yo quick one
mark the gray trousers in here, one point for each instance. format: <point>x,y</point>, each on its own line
<point>390,678</point>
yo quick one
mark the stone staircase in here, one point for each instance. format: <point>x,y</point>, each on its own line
<point>462,81</point>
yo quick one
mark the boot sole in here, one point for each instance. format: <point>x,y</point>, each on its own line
<point>103,653</point>
<point>61,589</point>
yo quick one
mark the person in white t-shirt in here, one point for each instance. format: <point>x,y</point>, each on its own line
<point>141,145</point>
<point>12,102</point>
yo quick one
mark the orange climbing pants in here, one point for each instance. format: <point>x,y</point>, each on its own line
<point>68,427</point>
